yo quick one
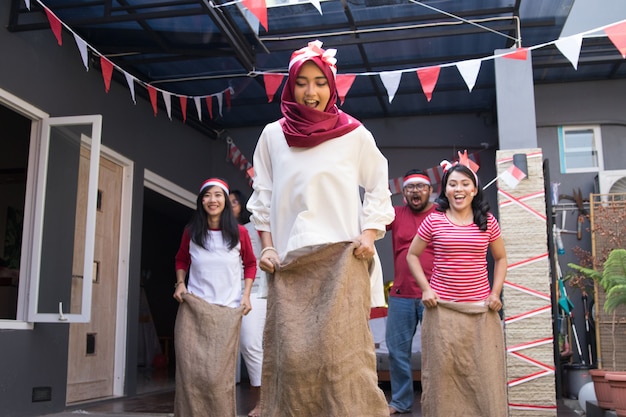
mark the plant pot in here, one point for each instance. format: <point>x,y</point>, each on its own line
<point>602,388</point>
<point>617,383</point>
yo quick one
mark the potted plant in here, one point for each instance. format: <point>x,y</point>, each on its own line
<point>612,279</point>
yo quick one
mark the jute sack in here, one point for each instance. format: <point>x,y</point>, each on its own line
<point>318,354</point>
<point>463,370</point>
<point>206,339</point>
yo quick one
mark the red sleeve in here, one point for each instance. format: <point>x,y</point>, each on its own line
<point>183,258</point>
<point>247,254</point>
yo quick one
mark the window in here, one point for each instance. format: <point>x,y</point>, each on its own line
<point>580,149</point>
<point>47,214</point>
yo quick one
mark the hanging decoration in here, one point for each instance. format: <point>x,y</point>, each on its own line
<point>428,76</point>
<point>435,174</point>
<point>237,158</point>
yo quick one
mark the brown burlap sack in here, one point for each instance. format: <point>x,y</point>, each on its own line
<point>319,358</point>
<point>463,370</point>
<point>206,339</point>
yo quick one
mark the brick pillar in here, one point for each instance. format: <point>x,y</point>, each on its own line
<point>526,293</point>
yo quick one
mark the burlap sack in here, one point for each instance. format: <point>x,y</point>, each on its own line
<point>206,339</point>
<point>463,370</point>
<point>319,358</point>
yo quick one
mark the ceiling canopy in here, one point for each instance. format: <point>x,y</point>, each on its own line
<point>206,48</point>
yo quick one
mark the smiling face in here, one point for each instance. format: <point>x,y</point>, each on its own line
<point>214,202</point>
<point>460,190</point>
<point>311,87</point>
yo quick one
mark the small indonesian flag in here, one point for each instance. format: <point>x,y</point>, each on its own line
<point>512,176</point>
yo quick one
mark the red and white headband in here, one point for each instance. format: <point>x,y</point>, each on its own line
<point>416,179</point>
<point>215,181</point>
<point>314,49</point>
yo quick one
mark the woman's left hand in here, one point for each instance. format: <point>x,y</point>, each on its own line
<point>366,248</point>
<point>493,302</point>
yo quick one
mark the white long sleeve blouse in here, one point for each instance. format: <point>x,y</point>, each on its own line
<point>311,196</point>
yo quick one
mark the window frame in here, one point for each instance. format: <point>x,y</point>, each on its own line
<point>34,208</point>
<point>597,147</point>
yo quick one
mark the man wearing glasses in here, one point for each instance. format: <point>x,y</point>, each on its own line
<point>405,306</point>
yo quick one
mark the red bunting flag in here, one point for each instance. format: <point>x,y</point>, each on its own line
<point>183,107</point>
<point>428,78</point>
<point>519,53</point>
<point>258,9</point>
<point>617,35</point>
<point>107,72</point>
<point>152,92</point>
<point>209,105</point>
<point>272,82</point>
<point>344,83</point>
<point>55,25</point>
<point>227,94</point>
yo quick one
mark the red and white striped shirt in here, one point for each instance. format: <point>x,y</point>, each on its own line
<point>460,263</point>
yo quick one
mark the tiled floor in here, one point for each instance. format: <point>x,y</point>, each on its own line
<point>161,403</point>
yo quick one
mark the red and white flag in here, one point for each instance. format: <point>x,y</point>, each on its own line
<point>512,176</point>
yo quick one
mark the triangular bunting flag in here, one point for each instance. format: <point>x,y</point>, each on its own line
<point>250,172</point>
<point>259,9</point>
<point>617,35</point>
<point>82,48</point>
<point>272,82</point>
<point>27,2</point>
<point>570,48</point>
<point>512,176</point>
<point>519,53</point>
<point>469,71</point>
<point>131,85</point>
<point>317,5</point>
<point>55,25</point>
<point>209,105</point>
<point>196,100</point>
<point>428,78</point>
<point>183,107</point>
<point>152,92</point>
<point>219,102</point>
<point>107,72</point>
<point>391,81</point>
<point>167,99</point>
<point>227,95</point>
<point>344,83</point>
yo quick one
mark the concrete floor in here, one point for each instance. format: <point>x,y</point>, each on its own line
<point>161,403</point>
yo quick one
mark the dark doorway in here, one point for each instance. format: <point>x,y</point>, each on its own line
<point>163,224</point>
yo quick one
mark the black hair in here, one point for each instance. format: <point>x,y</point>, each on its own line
<point>244,214</point>
<point>199,223</point>
<point>480,207</point>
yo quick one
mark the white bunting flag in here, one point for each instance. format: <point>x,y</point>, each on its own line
<point>469,71</point>
<point>131,85</point>
<point>27,2</point>
<point>167,98</point>
<point>317,5</point>
<point>197,101</point>
<point>570,48</point>
<point>252,20</point>
<point>82,47</point>
<point>220,98</point>
<point>391,80</point>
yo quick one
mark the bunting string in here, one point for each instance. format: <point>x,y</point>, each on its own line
<point>428,76</point>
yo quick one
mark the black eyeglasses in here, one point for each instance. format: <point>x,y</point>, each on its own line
<point>413,187</point>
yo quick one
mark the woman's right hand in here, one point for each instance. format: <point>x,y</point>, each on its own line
<point>269,261</point>
<point>181,289</point>
<point>429,298</point>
